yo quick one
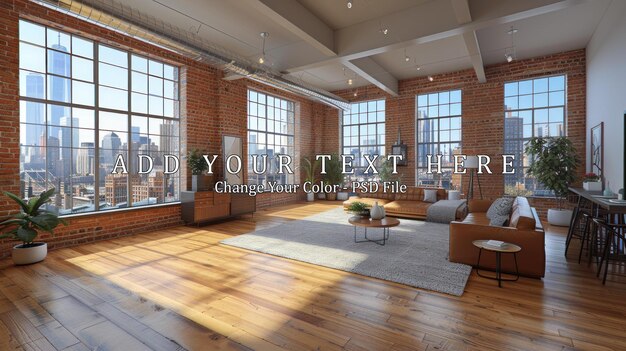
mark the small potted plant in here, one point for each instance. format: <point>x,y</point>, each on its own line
<point>359,209</point>
<point>26,225</point>
<point>554,167</point>
<point>310,174</point>
<point>591,182</point>
<point>197,166</point>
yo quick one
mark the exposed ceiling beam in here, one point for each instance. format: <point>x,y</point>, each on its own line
<point>295,18</point>
<point>463,16</point>
<point>374,73</point>
<point>473,50</point>
<point>425,23</point>
<point>232,76</point>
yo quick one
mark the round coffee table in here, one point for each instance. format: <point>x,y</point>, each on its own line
<point>365,222</point>
<point>498,250</point>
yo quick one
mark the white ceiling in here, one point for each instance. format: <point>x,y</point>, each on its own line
<point>321,41</point>
<point>335,13</point>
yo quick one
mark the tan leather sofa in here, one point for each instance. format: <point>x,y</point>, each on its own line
<point>408,205</point>
<point>524,230</point>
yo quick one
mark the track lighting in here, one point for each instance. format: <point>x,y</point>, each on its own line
<point>349,4</point>
<point>430,78</point>
<point>407,59</point>
<point>418,68</point>
<point>385,31</point>
<point>509,58</point>
<point>350,81</point>
<point>355,94</point>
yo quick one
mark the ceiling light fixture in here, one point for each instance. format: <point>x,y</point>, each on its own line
<point>406,57</point>
<point>349,4</point>
<point>430,78</point>
<point>263,35</point>
<point>509,53</point>
<point>350,81</point>
<point>382,28</point>
<point>418,68</point>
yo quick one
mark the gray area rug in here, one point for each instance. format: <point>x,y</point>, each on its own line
<point>416,253</point>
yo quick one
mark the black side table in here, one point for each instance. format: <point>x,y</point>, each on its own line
<point>506,248</point>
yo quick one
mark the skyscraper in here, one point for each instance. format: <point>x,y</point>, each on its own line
<point>111,143</point>
<point>68,138</point>
<point>85,159</point>
<point>34,111</point>
<point>59,87</point>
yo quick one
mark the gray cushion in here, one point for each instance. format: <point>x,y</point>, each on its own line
<point>500,210</point>
<point>430,195</point>
<point>498,221</point>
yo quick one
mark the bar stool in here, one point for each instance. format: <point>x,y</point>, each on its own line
<point>578,227</point>
<point>613,248</point>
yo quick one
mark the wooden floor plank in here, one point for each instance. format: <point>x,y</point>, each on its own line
<point>178,288</point>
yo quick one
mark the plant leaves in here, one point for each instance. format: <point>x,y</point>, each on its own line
<point>46,221</point>
<point>26,235</point>
<point>19,201</point>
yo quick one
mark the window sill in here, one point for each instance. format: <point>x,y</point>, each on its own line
<point>96,213</point>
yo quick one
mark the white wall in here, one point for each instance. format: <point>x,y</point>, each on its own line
<point>606,90</point>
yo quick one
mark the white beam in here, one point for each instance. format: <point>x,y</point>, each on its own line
<point>463,16</point>
<point>471,43</point>
<point>374,73</point>
<point>232,76</point>
<point>295,18</point>
<point>434,20</point>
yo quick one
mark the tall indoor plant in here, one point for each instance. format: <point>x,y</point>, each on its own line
<point>334,175</point>
<point>310,174</point>
<point>554,166</point>
<point>26,225</point>
<point>197,166</point>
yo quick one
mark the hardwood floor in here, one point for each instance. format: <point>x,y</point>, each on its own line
<point>179,289</point>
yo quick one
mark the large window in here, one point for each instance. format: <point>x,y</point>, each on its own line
<point>271,130</point>
<point>364,134</point>
<point>438,133</point>
<point>81,105</point>
<point>533,108</point>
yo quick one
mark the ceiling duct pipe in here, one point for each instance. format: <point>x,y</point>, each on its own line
<point>128,21</point>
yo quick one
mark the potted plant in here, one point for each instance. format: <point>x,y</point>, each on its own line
<point>554,166</point>
<point>310,174</point>
<point>26,225</point>
<point>334,175</point>
<point>591,182</point>
<point>385,172</point>
<point>359,209</point>
<point>197,166</point>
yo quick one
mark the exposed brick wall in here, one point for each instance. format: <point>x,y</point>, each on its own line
<point>483,111</point>
<point>210,108</point>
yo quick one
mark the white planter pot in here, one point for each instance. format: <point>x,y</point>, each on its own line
<point>28,255</point>
<point>310,197</point>
<point>559,218</point>
<point>592,186</point>
<point>454,195</point>
<point>342,196</point>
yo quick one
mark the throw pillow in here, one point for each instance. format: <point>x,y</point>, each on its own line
<point>498,221</point>
<point>500,210</point>
<point>430,195</point>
